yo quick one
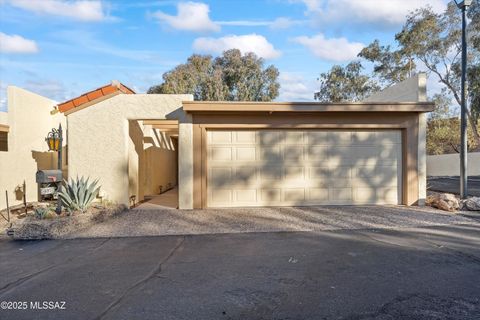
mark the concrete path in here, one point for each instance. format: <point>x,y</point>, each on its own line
<point>153,222</point>
<point>166,200</point>
<point>418,273</point>
<point>452,185</point>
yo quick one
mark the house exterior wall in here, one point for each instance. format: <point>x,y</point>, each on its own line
<point>413,89</point>
<point>30,121</point>
<point>102,144</point>
<point>449,164</point>
<point>410,90</point>
<point>160,162</point>
<point>3,117</point>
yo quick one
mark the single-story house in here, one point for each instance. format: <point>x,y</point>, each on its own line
<point>237,154</point>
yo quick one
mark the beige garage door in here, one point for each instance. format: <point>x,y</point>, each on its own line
<point>302,168</point>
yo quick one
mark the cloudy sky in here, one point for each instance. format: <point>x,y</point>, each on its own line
<point>62,48</point>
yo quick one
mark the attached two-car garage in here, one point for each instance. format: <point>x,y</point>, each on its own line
<point>303,167</point>
<point>305,154</point>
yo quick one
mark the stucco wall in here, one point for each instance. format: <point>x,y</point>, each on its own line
<point>100,145</point>
<point>449,164</point>
<point>160,163</point>
<point>30,120</point>
<point>3,117</point>
<point>410,90</point>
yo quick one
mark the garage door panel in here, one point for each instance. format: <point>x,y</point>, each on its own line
<point>245,195</point>
<point>245,137</point>
<point>293,153</point>
<point>295,195</point>
<point>340,138</point>
<point>293,137</point>
<point>317,138</point>
<point>221,197</point>
<point>246,153</point>
<point>271,173</point>
<point>271,195</point>
<point>294,173</point>
<point>245,174</point>
<point>269,138</point>
<point>318,195</point>
<point>341,194</point>
<point>271,154</point>
<point>317,153</point>
<point>266,167</point>
<point>221,154</point>
<point>220,137</point>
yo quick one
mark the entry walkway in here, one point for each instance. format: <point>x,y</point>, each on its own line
<point>165,200</point>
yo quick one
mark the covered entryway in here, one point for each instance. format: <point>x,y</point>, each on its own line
<point>303,167</point>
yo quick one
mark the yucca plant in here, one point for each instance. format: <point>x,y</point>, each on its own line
<point>77,194</point>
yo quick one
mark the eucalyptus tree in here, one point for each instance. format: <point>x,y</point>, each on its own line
<point>231,76</point>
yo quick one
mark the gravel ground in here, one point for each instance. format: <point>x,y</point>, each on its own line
<point>180,222</point>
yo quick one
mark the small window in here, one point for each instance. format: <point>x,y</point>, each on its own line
<point>3,141</point>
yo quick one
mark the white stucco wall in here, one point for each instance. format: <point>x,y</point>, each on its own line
<point>160,161</point>
<point>410,90</point>
<point>100,145</point>
<point>30,121</point>
<point>449,165</point>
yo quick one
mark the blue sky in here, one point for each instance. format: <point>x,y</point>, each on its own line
<point>62,48</point>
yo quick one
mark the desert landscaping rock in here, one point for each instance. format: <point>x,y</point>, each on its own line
<point>471,204</point>
<point>443,201</point>
<point>31,228</point>
<point>139,222</point>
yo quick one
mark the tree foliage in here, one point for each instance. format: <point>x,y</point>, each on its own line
<point>345,84</point>
<point>443,136</point>
<point>231,76</point>
<point>432,42</point>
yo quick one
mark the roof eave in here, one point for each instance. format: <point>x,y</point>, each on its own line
<point>311,107</point>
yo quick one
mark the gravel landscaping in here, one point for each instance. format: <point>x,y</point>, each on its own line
<point>139,222</point>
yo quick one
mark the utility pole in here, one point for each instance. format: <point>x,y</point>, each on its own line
<point>463,112</point>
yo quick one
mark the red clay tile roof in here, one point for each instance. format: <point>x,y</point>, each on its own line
<point>104,92</point>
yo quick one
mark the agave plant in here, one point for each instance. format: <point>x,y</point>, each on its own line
<point>78,194</point>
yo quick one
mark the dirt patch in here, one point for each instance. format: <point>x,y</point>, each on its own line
<point>31,228</point>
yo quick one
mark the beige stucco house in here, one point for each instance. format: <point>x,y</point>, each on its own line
<point>236,154</point>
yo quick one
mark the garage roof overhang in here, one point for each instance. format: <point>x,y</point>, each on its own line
<point>271,107</point>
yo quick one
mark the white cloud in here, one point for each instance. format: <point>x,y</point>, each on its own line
<point>191,16</point>
<point>284,23</point>
<point>16,44</point>
<point>82,10</point>
<point>278,23</point>
<point>391,12</point>
<point>333,49</point>
<point>293,87</point>
<point>245,43</point>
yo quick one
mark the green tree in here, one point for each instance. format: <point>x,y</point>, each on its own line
<point>231,76</point>
<point>345,84</point>
<point>433,41</point>
<point>443,128</point>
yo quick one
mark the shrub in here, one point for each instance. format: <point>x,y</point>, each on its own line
<point>78,194</point>
<point>42,213</point>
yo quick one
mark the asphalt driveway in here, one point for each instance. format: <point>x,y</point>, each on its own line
<point>452,185</point>
<point>418,273</point>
